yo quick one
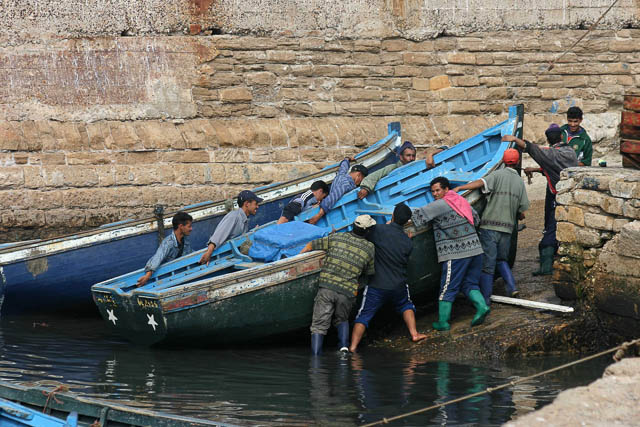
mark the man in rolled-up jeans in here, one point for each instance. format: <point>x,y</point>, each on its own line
<point>349,255</point>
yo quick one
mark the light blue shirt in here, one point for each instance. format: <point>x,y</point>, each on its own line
<point>167,251</point>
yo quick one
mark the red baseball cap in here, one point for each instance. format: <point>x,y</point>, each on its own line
<point>511,156</point>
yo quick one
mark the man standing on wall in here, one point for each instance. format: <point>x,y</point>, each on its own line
<point>506,202</point>
<point>552,160</point>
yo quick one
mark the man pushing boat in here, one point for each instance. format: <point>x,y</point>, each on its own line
<point>348,256</point>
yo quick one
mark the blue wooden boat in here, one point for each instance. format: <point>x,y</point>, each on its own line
<point>237,298</point>
<point>38,406</point>
<point>57,274</point>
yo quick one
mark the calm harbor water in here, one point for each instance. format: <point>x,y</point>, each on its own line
<point>276,385</point>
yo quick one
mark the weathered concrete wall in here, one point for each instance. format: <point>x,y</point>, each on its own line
<point>598,217</point>
<point>611,400</point>
<point>414,19</point>
<point>127,122</point>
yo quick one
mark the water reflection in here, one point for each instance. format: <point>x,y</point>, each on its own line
<point>273,385</point>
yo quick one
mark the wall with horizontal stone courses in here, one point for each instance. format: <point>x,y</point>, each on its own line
<point>99,129</point>
<point>598,213</point>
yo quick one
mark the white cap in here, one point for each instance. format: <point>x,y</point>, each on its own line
<point>364,221</point>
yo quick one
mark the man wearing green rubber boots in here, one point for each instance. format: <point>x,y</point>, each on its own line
<point>458,247</point>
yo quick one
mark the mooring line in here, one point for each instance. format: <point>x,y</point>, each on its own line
<point>617,357</point>
<point>591,28</point>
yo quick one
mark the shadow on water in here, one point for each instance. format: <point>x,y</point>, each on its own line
<point>278,384</point>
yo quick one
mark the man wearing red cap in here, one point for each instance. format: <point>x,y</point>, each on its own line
<point>506,202</point>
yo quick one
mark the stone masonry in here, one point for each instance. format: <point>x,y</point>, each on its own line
<point>102,129</point>
<point>598,217</point>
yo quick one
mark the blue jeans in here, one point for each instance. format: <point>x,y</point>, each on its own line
<point>460,275</point>
<point>374,298</point>
<point>495,245</point>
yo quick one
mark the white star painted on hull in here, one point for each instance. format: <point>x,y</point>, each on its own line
<point>152,321</point>
<point>112,317</point>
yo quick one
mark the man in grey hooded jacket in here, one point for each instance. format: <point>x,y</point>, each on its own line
<point>552,160</point>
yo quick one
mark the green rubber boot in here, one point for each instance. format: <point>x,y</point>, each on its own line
<point>482,309</point>
<point>546,261</point>
<point>444,314</point>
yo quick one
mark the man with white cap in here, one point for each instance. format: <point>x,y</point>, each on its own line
<point>348,256</point>
<point>506,202</point>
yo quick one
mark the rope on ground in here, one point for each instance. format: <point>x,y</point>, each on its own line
<point>488,390</point>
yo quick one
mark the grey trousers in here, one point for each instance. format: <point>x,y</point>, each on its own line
<point>328,304</point>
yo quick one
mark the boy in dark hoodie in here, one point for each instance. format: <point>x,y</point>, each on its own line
<point>576,136</point>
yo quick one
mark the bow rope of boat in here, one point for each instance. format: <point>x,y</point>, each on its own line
<point>620,351</point>
<point>591,28</point>
<point>52,394</point>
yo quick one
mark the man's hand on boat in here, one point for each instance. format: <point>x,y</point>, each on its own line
<point>206,257</point>
<point>363,193</point>
<point>316,217</point>
<point>144,279</point>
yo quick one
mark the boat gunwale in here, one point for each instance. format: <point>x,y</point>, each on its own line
<point>117,412</point>
<point>134,228</point>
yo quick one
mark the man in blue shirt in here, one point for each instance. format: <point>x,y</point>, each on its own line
<point>173,246</point>
<point>344,182</point>
<point>306,200</point>
<point>389,283</point>
<point>233,224</point>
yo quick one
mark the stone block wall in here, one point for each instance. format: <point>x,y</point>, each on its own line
<point>598,213</point>
<point>100,129</point>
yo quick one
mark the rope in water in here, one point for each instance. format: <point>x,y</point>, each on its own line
<point>619,354</point>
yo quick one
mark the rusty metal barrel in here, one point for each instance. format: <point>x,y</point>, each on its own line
<point>630,132</point>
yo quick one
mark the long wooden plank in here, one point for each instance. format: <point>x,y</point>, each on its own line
<point>531,304</point>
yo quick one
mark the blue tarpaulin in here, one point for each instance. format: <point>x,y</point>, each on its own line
<point>283,240</point>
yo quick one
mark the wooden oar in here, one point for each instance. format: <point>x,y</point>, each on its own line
<point>531,304</point>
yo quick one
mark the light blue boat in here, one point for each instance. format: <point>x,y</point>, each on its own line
<point>13,414</point>
<point>238,298</point>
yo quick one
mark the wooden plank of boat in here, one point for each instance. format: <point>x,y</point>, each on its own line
<point>56,274</point>
<point>531,304</point>
<point>277,297</point>
<point>29,403</point>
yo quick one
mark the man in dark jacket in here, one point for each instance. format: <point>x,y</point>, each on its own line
<point>389,283</point>
<point>552,160</point>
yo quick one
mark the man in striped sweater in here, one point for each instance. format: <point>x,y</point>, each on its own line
<point>458,247</point>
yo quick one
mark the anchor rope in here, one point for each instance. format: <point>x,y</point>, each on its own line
<point>622,347</point>
<point>52,394</point>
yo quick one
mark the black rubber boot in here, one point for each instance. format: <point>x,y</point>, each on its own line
<point>343,336</point>
<point>316,344</point>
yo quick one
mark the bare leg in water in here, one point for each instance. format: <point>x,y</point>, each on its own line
<point>409,319</point>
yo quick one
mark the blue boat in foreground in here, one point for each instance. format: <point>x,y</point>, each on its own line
<point>237,298</point>
<point>56,275</point>
<point>38,406</point>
